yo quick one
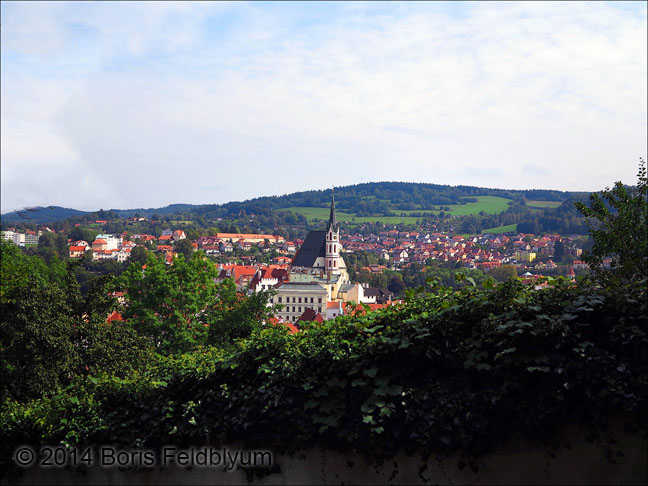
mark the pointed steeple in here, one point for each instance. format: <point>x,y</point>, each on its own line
<point>332,222</point>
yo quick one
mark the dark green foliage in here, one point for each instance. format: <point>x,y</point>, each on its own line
<point>185,248</point>
<point>236,316</point>
<point>37,347</point>
<point>503,273</point>
<point>83,233</point>
<point>50,333</point>
<point>619,227</point>
<point>447,371</point>
<point>179,307</point>
<point>139,254</point>
<point>396,285</point>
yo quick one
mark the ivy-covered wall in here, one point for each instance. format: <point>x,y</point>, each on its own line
<point>448,372</point>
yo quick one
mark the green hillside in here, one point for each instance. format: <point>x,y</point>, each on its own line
<point>485,204</point>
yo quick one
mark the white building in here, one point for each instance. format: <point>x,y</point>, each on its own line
<point>20,239</point>
<point>295,298</point>
<point>112,241</point>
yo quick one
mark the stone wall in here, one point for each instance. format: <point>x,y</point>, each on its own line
<point>575,461</point>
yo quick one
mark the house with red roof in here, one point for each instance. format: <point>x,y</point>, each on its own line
<point>78,251</point>
<point>310,315</point>
<point>268,277</point>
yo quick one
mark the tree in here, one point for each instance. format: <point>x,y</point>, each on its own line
<point>559,251</point>
<point>185,247</point>
<point>166,303</point>
<point>50,333</point>
<point>618,225</point>
<point>396,285</point>
<point>139,254</point>
<point>503,273</point>
<point>36,334</point>
<point>235,315</point>
<point>81,233</point>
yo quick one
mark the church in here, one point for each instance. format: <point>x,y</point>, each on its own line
<point>318,274</point>
<point>318,260</point>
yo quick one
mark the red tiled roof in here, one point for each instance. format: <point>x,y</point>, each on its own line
<point>310,315</point>
<point>114,316</point>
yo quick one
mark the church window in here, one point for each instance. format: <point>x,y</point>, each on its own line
<point>299,300</point>
<point>279,299</point>
<point>319,309</point>
<point>319,300</point>
<point>293,308</point>
<point>311,300</point>
<point>298,309</point>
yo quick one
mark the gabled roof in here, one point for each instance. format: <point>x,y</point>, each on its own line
<point>311,315</point>
<point>314,246</point>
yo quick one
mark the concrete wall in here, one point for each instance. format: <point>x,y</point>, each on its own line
<point>580,463</point>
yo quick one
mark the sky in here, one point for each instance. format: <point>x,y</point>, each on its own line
<point>129,105</point>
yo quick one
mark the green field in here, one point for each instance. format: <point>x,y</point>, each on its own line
<point>386,219</point>
<point>543,204</point>
<point>181,222</point>
<point>501,229</point>
<point>323,214</point>
<point>488,204</point>
<point>318,213</point>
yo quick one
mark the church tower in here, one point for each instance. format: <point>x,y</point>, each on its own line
<point>332,259</point>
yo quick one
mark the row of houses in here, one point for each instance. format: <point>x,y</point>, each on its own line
<point>481,251</point>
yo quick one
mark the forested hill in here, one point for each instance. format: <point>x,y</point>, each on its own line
<point>374,201</point>
<point>40,215</point>
<point>50,214</point>
<point>377,197</point>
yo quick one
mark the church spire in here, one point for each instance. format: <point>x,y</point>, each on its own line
<point>332,222</point>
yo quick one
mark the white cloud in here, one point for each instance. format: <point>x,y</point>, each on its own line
<point>201,102</point>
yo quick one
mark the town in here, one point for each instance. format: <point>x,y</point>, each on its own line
<point>322,276</point>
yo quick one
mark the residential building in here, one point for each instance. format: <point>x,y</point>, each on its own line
<point>296,298</point>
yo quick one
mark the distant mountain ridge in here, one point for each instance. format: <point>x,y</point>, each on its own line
<point>41,214</point>
<point>371,197</point>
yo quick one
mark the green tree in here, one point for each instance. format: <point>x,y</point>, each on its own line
<point>235,315</point>
<point>396,285</point>
<point>139,254</point>
<point>36,335</point>
<point>50,333</point>
<point>618,226</point>
<point>559,251</point>
<point>185,247</point>
<point>503,273</point>
<point>81,233</point>
<point>167,303</point>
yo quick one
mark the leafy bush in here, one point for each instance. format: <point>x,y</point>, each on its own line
<point>445,371</point>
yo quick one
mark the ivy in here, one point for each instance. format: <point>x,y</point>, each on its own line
<point>444,372</point>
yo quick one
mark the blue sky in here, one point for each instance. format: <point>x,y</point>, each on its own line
<point>127,104</point>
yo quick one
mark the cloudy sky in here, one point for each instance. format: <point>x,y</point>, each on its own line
<point>124,105</point>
